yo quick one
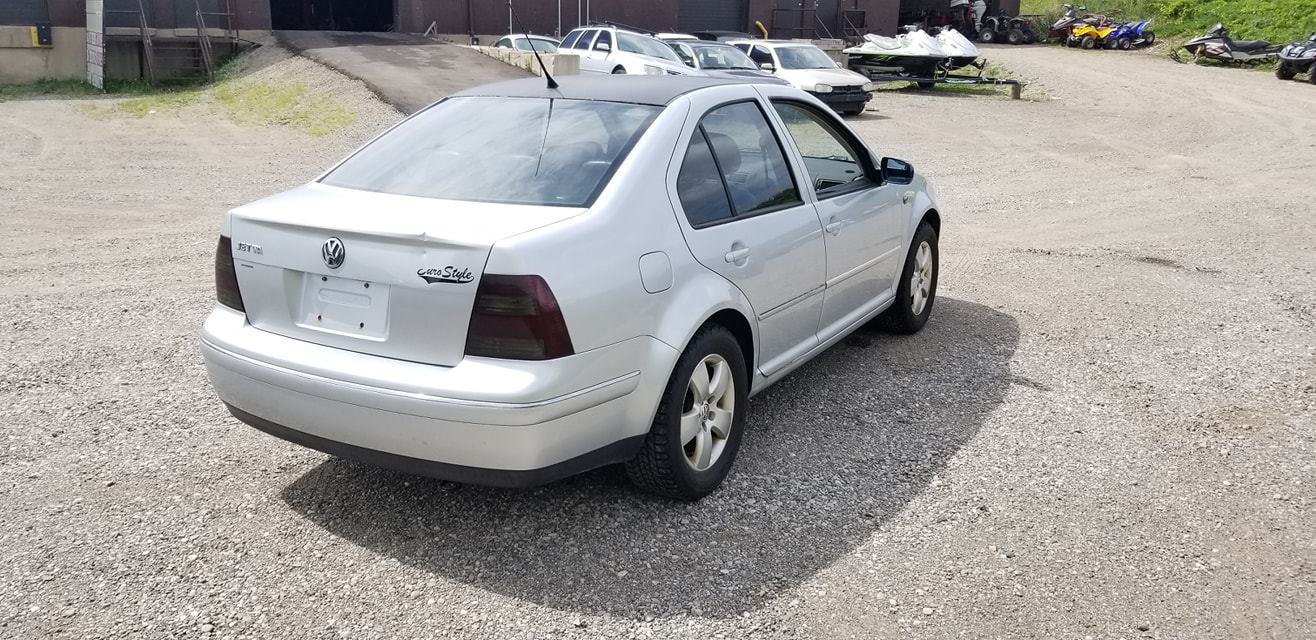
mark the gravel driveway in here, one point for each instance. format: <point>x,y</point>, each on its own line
<point>1105,432</point>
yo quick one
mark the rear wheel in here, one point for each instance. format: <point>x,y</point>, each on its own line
<point>696,431</point>
<point>918,285</point>
<point>987,35</point>
<point>1014,36</point>
<point>1030,37</point>
<point>1124,44</point>
<point>1088,42</point>
<point>1283,72</point>
<point>619,71</point>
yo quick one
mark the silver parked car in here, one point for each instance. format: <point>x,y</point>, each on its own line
<point>518,284</point>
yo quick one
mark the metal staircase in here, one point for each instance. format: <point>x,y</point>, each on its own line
<point>180,57</point>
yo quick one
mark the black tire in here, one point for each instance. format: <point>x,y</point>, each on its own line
<point>1148,38</point>
<point>854,111</point>
<point>1030,37</point>
<point>1088,42</point>
<point>619,71</point>
<point>1124,44</point>
<point>1071,41</point>
<point>900,318</point>
<point>987,35</point>
<point>1311,73</point>
<point>1283,72</point>
<point>925,84</point>
<point>1014,36</point>
<point>660,467</point>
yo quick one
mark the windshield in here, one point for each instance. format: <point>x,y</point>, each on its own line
<point>632,43</point>
<point>497,149</point>
<point>722,57</point>
<point>804,58</point>
<point>542,46</point>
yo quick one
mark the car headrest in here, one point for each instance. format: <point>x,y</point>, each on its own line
<point>726,150</point>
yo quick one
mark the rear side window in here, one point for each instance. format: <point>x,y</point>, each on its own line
<point>749,158</point>
<point>491,149</point>
<point>699,185</point>
<point>605,37</point>
<point>570,41</point>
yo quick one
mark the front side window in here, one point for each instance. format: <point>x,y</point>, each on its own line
<point>684,52</point>
<point>510,150</point>
<point>831,160</point>
<point>570,41</point>
<point>809,57</point>
<point>504,43</point>
<point>586,37</point>
<point>760,55</point>
<point>749,163</point>
<point>605,37</point>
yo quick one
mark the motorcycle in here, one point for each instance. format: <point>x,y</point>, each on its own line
<point>1297,58</point>
<point>1217,45</point>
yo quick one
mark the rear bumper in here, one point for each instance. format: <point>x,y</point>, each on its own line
<point>486,421</point>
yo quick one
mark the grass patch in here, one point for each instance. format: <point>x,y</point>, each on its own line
<point>289,105</point>
<point>1273,20</point>
<point>52,88</point>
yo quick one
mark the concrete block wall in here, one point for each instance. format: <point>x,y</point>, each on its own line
<point>21,62</point>
<point>558,64</point>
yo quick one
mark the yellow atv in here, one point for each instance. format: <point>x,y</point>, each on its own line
<point>1090,36</point>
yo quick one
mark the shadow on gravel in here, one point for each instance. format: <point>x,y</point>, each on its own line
<point>831,453</point>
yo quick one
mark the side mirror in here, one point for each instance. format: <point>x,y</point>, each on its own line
<point>897,171</point>
<point>603,46</point>
<point>768,66</point>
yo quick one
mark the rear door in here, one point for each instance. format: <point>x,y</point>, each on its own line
<point>744,218</point>
<point>863,219</point>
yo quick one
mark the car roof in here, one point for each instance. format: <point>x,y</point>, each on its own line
<point>651,90</point>
<point>775,43</point>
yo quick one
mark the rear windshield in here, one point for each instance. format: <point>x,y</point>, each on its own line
<point>804,58</point>
<point>643,45</point>
<point>510,150</point>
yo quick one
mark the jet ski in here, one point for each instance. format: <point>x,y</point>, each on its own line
<point>914,53</point>
<point>960,50</point>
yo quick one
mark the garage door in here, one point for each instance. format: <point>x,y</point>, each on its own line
<point>705,15</point>
<point>23,12</point>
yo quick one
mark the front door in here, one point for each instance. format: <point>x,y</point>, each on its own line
<point>863,219</point>
<point>748,221</point>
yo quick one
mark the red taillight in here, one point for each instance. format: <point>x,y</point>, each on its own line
<point>226,276</point>
<point>517,317</point>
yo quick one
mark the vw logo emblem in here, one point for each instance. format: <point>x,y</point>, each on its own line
<point>333,252</point>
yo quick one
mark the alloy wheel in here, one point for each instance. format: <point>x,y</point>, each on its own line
<point>708,411</point>
<point>920,280</point>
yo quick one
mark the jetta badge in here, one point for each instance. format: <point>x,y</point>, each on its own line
<point>333,252</point>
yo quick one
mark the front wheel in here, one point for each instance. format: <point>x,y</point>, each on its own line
<point>987,35</point>
<point>1124,44</point>
<point>1030,37</point>
<point>1311,73</point>
<point>1148,38</point>
<point>619,71</point>
<point>696,431</point>
<point>1088,42</point>
<point>918,285</point>
<point>1283,72</point>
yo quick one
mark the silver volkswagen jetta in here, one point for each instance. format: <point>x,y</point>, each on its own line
<point>521,283</point>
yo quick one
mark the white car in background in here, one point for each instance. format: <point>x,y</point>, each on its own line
<point>810,69</point>
<point>542,44</point>
<point>605,49</point>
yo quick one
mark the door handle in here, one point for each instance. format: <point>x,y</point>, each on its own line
<point>833,227</point>
<point>737,255</point>
<point>909,195</point>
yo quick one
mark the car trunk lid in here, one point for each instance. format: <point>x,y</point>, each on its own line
<point>384,274</point>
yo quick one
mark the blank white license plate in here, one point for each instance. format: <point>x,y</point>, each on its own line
<point>339,305</point>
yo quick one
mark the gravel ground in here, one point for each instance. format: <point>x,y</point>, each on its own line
<point>1105,432</point>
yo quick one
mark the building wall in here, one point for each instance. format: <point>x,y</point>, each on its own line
<point>20,62</point>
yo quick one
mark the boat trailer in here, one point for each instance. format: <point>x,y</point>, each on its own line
<point>941,76</point>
